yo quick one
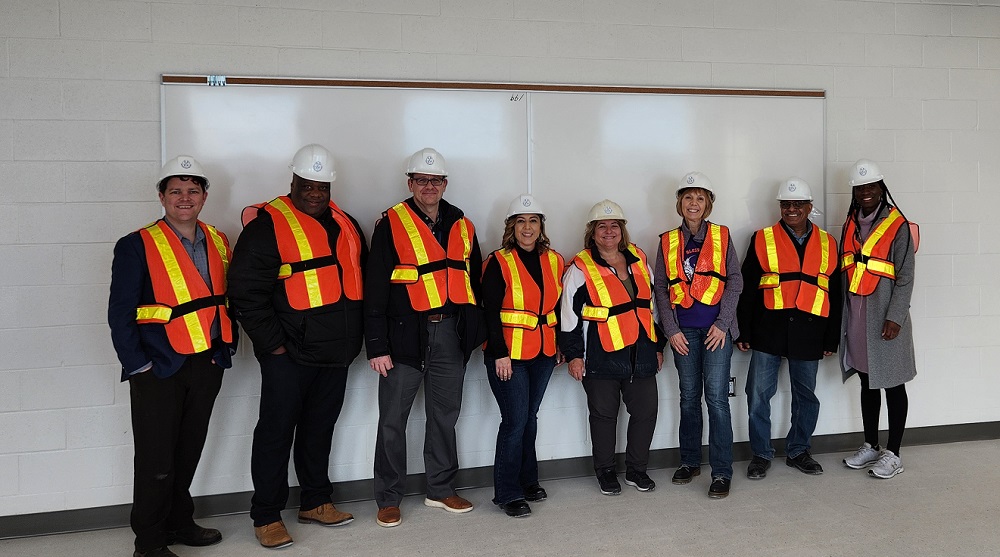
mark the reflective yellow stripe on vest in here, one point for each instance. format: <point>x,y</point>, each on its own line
<point>876,265</point>
<point>674,239</point>
<point>463,226</point>
<point>774,279</point>
<point>177,282</point>
<point>420,252</point>
<point>717,256</point>
<point>153,314</point>
<point>604,298</point>
<point>517,318</point>
<point>517,292</point>
<point>822,279</point>
<point>305,253</point>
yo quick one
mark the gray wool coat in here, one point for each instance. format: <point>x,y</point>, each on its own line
<point>890,362</point>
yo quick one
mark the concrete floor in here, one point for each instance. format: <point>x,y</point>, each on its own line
<point>945,503</point>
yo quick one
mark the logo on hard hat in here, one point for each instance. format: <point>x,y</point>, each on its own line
<point>608,210</point>
<point>863,171</point>
<point>526,202</point>
<point>185,164</point>
<point>690,179</point>
<point>317,166</point>
<point>791,187</point>
<point>429,160</point>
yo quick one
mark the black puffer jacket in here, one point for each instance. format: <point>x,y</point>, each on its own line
<point>392,326</point>
<point>330,335</point>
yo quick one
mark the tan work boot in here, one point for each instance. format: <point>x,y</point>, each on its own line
<point>326,515</point>
<point>273,535</point>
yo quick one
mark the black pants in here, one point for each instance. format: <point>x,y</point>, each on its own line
<point>297,403</point>
<point>169,425</point>
<point>871,405</point>
<point>604,398</point>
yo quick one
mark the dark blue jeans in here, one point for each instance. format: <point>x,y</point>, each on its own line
<point>762,383</point>
<point>702,368</point>
<point>515,464</point>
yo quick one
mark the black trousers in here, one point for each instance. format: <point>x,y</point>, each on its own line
<point>299,405</point>
<point>169,425</point>
<point>604,398</point>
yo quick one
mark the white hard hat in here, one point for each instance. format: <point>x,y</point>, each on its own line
<point>864,172</point>
<point>426,161</point>
<point>313,162</point>
<point>695,180</point>
<point>524,205</point>
<point>605,210</point>
<point>183,165</point>
<point>794,189</point>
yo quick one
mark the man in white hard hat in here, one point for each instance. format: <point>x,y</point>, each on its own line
<point>790,309</point>
<point>296,285</point>
<point>174,336</point>
<point>421,325</point>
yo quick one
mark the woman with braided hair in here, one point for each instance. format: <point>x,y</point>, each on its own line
<point>878,264</point>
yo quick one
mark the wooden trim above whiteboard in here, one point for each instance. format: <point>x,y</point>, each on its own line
<point>320,82</point>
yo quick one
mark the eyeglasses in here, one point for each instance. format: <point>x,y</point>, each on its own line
<point>436,182</point>
<point>794,204</point>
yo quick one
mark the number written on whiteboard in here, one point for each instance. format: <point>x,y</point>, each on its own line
<point>516,97</point>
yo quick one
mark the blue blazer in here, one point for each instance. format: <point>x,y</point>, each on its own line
<point>138,345</point>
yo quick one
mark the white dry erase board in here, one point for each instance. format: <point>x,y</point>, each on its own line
<point>570,146</point>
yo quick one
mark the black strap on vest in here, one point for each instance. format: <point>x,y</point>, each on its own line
<point>194,305</point>
<point>314,263</point>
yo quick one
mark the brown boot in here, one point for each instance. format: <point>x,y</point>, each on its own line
<point>326,515</point>
<point>273,535</point>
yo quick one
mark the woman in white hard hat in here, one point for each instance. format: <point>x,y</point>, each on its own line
<point>878,263</point>
<point>697,287</point>
<point>522,282</point>
<point>608,335</point>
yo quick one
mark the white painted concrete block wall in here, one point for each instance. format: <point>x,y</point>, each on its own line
<point>913,85</point>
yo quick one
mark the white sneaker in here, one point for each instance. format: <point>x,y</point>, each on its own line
<point>888,465</point>
<point>863,458</point>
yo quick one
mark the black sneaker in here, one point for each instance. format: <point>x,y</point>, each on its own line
<point>639,480</point>
<point>719,488</point>
<point>534,492</point>
<point>805,463</point>
<point>758,468</point>
<point>609,481</point>
<point>684,474</point>
<point>516,509</point>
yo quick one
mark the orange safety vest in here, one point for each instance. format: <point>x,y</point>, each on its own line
<point>184,304</point>
<point>616,315</point>
<point>432,276</point>
<point>709,280</point>
<point>310,273</point>
<point>866,264</point>
<point>528,314</point>
<point>786,282</point>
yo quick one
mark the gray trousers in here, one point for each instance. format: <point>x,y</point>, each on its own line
<point>443,377</point>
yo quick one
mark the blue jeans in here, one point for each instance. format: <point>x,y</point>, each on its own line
<point>708,369</point>
<point>515,464</point>
<point>762,383</point>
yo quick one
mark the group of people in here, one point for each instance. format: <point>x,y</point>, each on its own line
<point>309,291</point>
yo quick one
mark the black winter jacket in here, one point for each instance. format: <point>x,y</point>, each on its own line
<point>392,326</point>
<point>791,333</point>
<point>329,335</point>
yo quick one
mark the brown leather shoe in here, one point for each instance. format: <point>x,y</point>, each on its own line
<point>452,504</point>
<point>273,535</point>
<point>388,517</point>
<point>326,515</point>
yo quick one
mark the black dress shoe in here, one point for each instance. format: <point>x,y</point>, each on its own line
<point>719,488</point>
<point>805,464</point>
<point>758,468</point>
<point>684,474</point>
<point>516,509</point>
<point>194,536</point>
<point>158,552</point>
<point>534,492</point>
